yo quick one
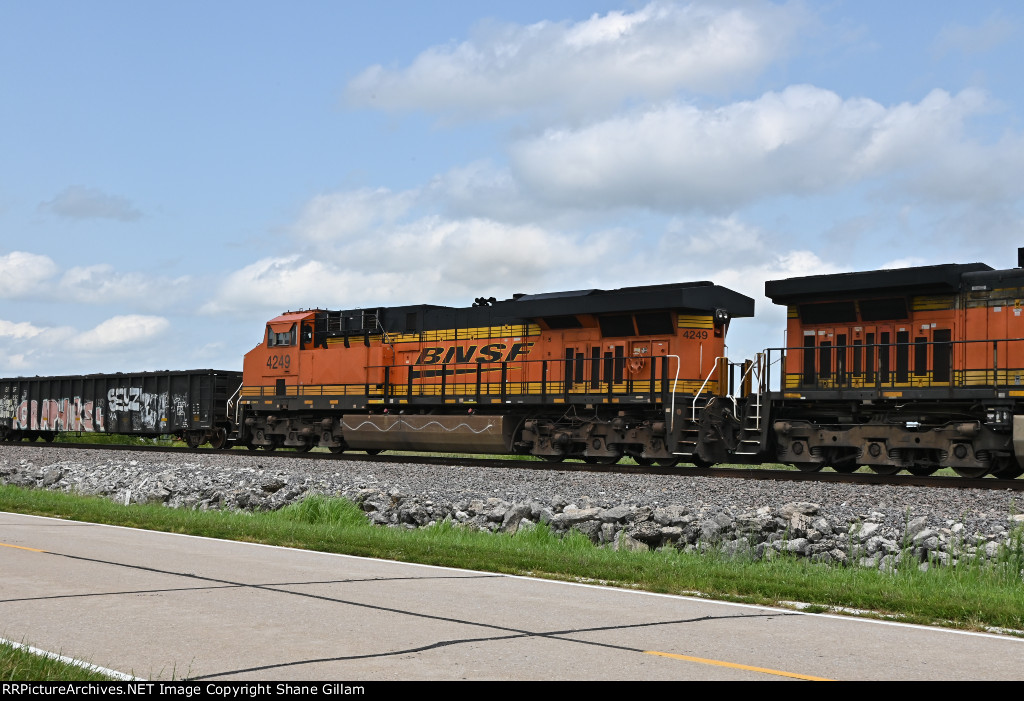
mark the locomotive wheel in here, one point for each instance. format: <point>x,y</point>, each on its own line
<point>304,448</point>
<point>972,472</point>
<point>843,462</point>
<point>643,462</point>
<point>926,462</point>
<point>601,460</point>
<point>809,466</point>
<point>668,462</point>
<point>885,469</point>
<point>1007,468</point>
<point>553,458</point>
<point>337,449</point>
<point>374,451</point>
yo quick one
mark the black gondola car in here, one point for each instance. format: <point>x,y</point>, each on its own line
<point>192,405</point>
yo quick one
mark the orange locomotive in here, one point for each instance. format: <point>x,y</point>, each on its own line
<point>911,369</point>
<point>593,374</point>
<point>916,369</point>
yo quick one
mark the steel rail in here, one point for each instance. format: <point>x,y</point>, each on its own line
<point>771,474</point>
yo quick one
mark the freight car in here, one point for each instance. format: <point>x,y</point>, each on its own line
<point>590,374</point>
<point>911,369</point>
<point>192,405</point>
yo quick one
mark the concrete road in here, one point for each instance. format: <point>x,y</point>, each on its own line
<point>163,606</point>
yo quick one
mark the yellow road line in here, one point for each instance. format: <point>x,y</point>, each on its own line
<point>21,547</point>
<point>733,665</point>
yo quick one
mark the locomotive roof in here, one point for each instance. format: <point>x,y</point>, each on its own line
<point>928,279</point>
<point>698,296</point>
<point>692,296</point>
<point>994,279</point>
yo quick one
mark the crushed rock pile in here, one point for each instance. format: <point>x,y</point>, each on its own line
<point>872,526</point>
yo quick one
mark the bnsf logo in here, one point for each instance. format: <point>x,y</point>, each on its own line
<point>491,353</point>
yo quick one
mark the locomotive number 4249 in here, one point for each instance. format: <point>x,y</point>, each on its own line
<point>695,334</point>
<point>279,362</point>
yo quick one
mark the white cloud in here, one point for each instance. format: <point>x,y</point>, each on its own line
<point>79,202</point>
<point>341,215</point>
<point>25,275</point>
<point>650,53</point>
<point>19,330</point>
<point>126,343</point>
<point>101,284</point>
<point>730,252</point>
<point>34,277</point>
<point>16,363</point>
<point>767,329</point>
<point>713,242</point>
<point>910,262</point>
<point>803,140</point>
<point>418,259</point>
<point>119,332</point>
<point>292,282</point>
<point>483,190</point>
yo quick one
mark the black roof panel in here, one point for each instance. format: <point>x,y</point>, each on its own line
<point>928,279</point>
<point>692,296</point>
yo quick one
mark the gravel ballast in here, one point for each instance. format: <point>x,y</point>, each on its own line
<point>874,526</point>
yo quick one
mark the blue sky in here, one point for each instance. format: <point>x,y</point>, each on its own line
<point>174,174</point>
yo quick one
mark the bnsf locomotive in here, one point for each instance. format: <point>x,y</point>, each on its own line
<point>592,374</point>
<point>911,369</point>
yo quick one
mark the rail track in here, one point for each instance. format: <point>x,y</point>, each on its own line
<point>682,471</point>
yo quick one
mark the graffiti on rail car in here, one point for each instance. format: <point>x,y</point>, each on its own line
<point>66,414</point>
<point>69,414</point>
<point>146,410</point>
<point>8,407</point>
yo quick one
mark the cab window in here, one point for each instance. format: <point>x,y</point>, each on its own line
<point>281,338</point>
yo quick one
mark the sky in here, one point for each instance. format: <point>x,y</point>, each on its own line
<point>174,174</point>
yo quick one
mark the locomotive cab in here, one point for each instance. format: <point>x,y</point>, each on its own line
<point>276,361</point>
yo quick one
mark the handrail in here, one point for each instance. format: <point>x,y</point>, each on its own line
<point>899,365</point>
<point>675,383</point>
<point>714,369</point>
<point>454,379</point>
<point>232,399</point>
<point>748,372</point>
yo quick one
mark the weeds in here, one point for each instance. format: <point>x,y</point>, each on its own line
<point>973,592</point>
<point>20,664</point>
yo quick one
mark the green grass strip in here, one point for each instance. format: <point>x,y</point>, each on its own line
<point>18,664</point>
<point>974,594</point>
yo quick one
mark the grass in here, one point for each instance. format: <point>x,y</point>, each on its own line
<point>974,594</point>
<point>112,439</point>
<point>19,664</point>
